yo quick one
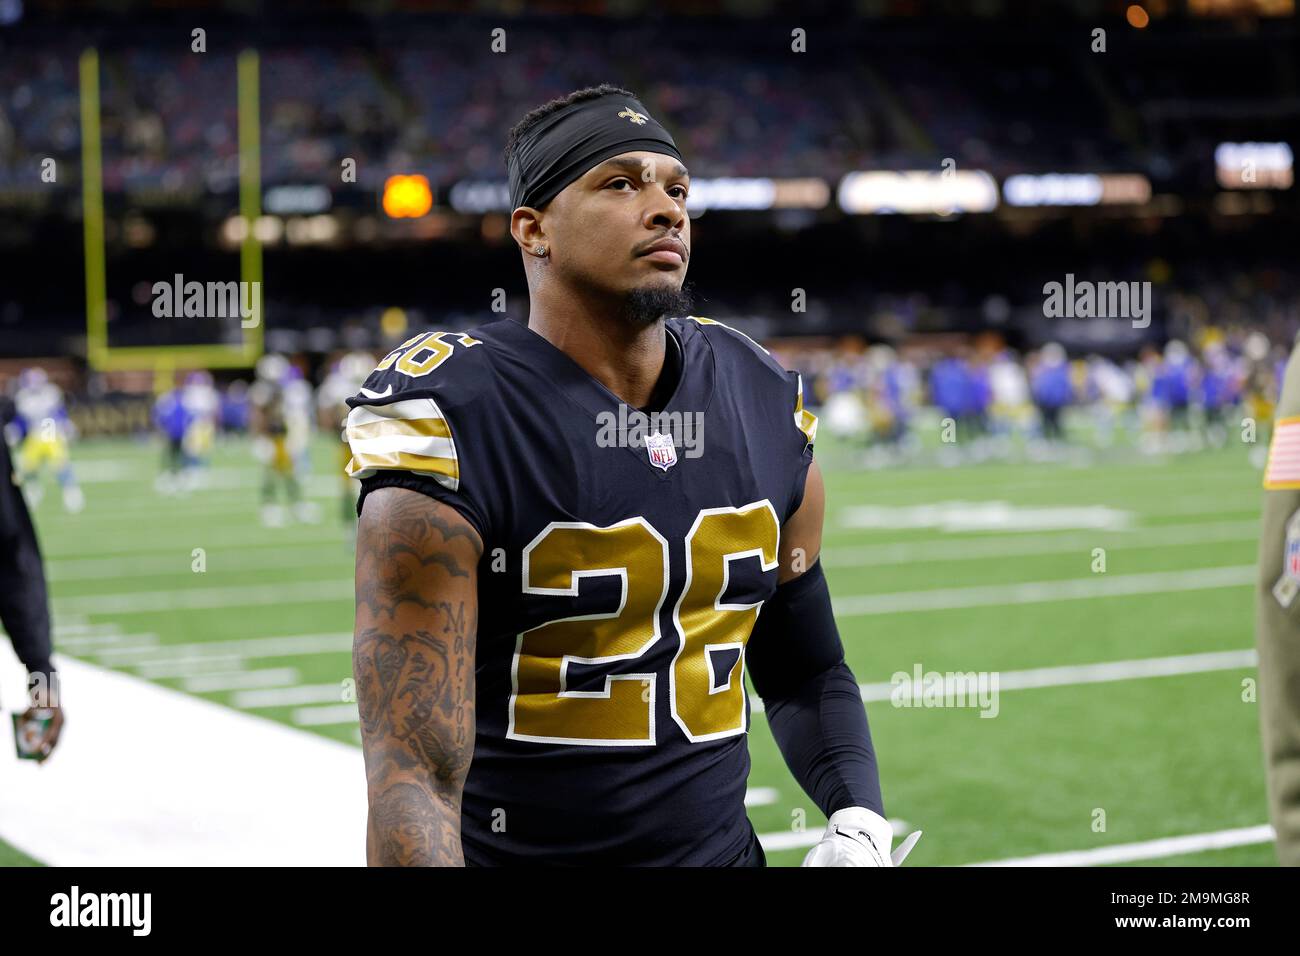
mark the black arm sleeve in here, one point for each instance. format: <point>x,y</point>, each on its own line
<point>814,706</point>
<point>24,605</point>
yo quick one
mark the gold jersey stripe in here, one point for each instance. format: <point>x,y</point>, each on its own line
<point>403,461</point>
<point>419,427</point>
<point>804,420</point>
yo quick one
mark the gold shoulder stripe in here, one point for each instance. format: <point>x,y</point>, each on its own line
<point>804,420</point>
<point>364,465</point>
<point>425,427</point>
<point>408,435</point>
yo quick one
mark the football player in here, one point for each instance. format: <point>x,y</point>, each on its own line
<point>44,426</point>
<point>556,602</point>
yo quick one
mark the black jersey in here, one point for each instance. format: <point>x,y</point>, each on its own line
<point>625,560</point>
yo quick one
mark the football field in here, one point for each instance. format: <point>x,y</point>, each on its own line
<point>1103,610</point>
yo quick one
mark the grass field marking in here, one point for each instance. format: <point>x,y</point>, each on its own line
<point>241,680</point>
<point>213,541</point>
<point>974,549</point>
<point>326,715</point>
<point>176,561</point>
<point>203,599</point>
<point>1102,673</point>
<point>1037,592</point>
<point>761,796</point>
<point>92,643</point>
<point>78,626</point>
<point>1146,850</point>
<point>1030,592</point>
<point>186,666</point>
<point>289,696</point>
<point>955,516</point>
<point>280,646</point>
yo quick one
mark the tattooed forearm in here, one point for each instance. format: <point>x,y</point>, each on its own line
<point>413,656</point>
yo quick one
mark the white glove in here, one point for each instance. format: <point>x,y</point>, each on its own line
<point>856,836</point>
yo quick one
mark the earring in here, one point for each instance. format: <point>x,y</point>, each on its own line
<point>540,250</point>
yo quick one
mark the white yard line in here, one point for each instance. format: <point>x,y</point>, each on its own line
<point>280,646</point>
<point>326,715</point>
<point>179,562</point>
<point>1101,673</point>
<point>955,548</point>
<point>94,643</point>
<point>289,696</point>
<point>186,666</point>
<point>1146,850</point>
<point>147,776</point>
<point>241,680</point>
<point>193,599</point>
<point>982,595</point>
<point>238,539</point>
<point>1036,592</point>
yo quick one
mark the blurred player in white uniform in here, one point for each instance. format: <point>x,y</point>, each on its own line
<point>281,425</point>
<point>1112,396</point>
<point>343,381</point>
<point>1012,411</point>
<point>202,408</point>
<point>44,431</point>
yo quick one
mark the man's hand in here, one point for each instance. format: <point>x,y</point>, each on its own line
<point>856,836</point>
<point>49,738</point>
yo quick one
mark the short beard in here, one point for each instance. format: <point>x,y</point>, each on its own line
<point>644,307</point>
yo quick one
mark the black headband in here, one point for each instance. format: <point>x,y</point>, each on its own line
<point>570,141</point>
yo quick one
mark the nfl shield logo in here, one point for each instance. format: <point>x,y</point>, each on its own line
<point>1292,558</point>
<point>662,452</point>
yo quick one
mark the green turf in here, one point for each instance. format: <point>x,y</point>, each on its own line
<point>10,856</point>
<point>1161,756</point>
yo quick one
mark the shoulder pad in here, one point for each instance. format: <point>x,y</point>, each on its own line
<point>401,418</point>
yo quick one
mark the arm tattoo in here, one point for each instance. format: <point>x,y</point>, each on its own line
<point>413,655</point>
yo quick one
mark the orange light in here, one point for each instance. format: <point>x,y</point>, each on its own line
<point>1137,17</point>
<point>407,197</point>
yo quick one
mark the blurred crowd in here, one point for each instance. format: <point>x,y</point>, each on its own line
<point>967,400</point>
<point>438,100</point>
<point>984,400</point>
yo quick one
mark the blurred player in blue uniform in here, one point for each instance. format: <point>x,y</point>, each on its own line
<point>1052,389</point>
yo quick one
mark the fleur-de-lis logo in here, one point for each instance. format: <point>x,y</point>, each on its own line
<point>633,115</point>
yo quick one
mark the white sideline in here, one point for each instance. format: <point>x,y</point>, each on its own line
<point>148,776</point>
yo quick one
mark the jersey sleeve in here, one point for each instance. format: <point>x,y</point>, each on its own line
<point>419,428</point>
